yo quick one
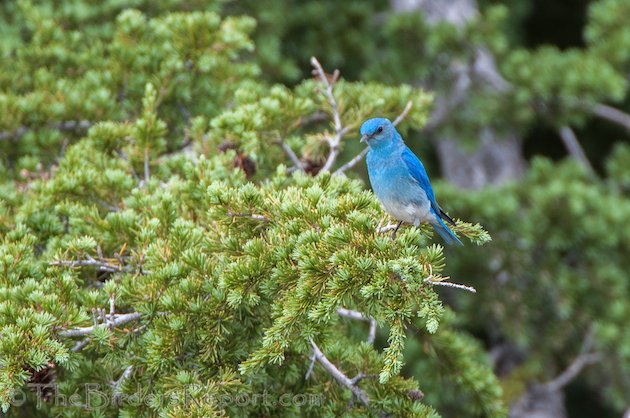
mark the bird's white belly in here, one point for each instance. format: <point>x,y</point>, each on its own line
<point>410,212</point>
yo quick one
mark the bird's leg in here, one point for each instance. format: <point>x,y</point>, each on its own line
<point>396,229</point>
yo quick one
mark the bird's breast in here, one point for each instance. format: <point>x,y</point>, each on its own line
<point>399,194</point>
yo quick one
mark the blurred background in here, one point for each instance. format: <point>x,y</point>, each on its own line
<point>528,135</point>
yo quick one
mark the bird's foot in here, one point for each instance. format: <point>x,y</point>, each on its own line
<point>396,230</point>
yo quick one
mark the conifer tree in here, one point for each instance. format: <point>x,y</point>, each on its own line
<point>179,237</point>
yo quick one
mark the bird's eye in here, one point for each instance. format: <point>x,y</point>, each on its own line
<point>379,130</point>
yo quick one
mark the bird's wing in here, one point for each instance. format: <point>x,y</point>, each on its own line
<point>417,171</point>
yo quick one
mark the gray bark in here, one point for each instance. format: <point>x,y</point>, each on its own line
<point>498,157</point>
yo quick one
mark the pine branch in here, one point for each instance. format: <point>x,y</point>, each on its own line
<point>339,376</point>
<point>357,159</point>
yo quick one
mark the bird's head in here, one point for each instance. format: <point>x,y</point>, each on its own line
<point>377,132</point>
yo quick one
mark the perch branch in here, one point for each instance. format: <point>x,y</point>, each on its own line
<point>386,228</point>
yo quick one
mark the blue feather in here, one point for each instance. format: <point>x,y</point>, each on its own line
<point>399,179</point>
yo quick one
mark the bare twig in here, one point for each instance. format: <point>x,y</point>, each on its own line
<point>358,316</point>
<point>292,156</point>
<point>339,376</point>
<point>350,164</point>
<point>453,285</point>
<point>80,345</point>
<point>357,159</point>
<point>431,280</point>
<point>404,113</point>
<point>612,114</point>
<point>347,313</point>
<point>340,131</point>
<point>574,148</point>
<point>309,372</point>
<point>119,319</point>
<point>117,384</point>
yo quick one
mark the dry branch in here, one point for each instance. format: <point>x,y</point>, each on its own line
<point>119,319</point>
<point>339,376</point>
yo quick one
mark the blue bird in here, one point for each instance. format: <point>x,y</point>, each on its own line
<point>400,181</point>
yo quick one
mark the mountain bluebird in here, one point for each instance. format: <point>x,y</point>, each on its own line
<point>400,181</point>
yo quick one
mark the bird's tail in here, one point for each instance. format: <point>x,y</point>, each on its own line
<point>447,235</point>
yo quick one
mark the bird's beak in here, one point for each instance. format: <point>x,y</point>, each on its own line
<point>364,139</point>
